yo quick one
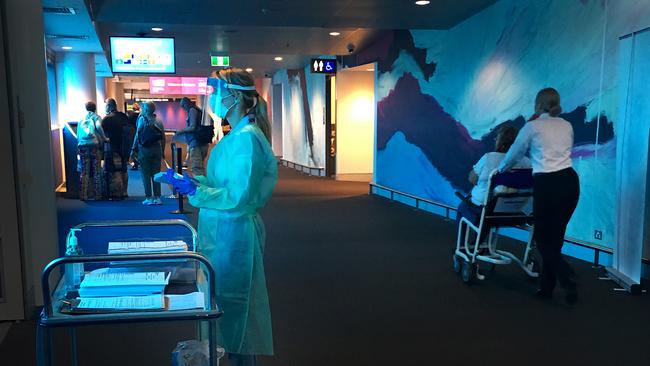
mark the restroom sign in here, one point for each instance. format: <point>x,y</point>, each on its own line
<point>323,66</point>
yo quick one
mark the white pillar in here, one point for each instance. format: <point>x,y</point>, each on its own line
<point>75,84</point>
<point>100,87</point>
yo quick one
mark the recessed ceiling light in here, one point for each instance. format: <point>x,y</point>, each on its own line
<point>278,58</point>
<point>370,69</point>
<point>335,34</point>
<point>422,2</point>
<point>66,47</point>
<point>249,69</point>
<point>156,29</point>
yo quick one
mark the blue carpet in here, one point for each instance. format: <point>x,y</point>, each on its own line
<point>72,212</point>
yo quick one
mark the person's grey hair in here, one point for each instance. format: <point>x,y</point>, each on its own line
<point>149,108</point>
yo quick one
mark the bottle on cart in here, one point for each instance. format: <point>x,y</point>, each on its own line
<point>73,271</point>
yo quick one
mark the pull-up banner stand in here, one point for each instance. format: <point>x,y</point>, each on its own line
<point>632,149</point>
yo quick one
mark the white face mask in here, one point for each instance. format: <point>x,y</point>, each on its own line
<point>220,92</point>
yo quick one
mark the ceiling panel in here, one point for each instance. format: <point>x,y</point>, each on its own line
<point>253,32</point>
<point>377,14</point>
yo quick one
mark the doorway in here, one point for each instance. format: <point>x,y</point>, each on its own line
<point>355,123</point>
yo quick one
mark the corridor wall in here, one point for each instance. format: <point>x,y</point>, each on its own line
<point>303,116</point>
<point>442,94</point>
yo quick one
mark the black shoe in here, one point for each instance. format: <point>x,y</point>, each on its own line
<point>544,294</point>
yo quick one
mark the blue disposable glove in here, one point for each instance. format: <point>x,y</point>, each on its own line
<point>183,186</point>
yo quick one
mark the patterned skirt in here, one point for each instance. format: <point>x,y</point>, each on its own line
<point>91,176</point>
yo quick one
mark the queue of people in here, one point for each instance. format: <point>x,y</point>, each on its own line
<point>108,146</point>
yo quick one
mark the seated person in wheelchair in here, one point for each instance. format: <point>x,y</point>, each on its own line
<point>471,206</point>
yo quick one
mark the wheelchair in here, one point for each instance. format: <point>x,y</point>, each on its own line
<point>508,203</point>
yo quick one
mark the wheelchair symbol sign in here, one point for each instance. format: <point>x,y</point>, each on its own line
<point>323,66</point>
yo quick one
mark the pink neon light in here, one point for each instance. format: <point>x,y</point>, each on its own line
<point>179,85</point>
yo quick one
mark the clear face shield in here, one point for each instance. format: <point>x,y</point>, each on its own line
<point>220,96</point>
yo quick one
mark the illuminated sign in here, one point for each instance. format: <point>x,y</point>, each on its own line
<point>142,55</point>
<point>177,85</point>
<point>323,66</point>
<point>220,61</point>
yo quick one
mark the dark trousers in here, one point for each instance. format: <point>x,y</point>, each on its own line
<point>472,213</point>
<point>555,197</point>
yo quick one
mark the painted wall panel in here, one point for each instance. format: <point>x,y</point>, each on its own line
<point>442,94</point>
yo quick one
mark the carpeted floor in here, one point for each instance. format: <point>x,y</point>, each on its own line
<point>358,280</point>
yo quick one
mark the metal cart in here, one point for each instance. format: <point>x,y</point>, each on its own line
<point>55,301</point>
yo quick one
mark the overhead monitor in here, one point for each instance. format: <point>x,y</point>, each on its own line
<point>143,55</point>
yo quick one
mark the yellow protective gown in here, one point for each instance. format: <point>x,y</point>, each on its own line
<point>241,175</point>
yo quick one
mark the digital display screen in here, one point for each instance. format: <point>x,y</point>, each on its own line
<point>177,85</point>
<point>143,55</point>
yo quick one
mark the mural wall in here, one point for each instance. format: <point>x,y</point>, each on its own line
<point>303,119</point>
<point>442,94</point>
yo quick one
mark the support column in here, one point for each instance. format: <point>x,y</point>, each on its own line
<point>75,84</point>
<point>100,87</point>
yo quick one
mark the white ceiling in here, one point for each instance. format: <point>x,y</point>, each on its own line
<point>253,32</point>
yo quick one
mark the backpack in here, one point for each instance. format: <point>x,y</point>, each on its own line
<point>87,132</point>
<point>150,134</point>
<point>203,134</point>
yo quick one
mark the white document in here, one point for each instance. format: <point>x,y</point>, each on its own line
<point>130,247</point>
<point>194,300</point>
<point>150,302</point>
<point>125,279</point>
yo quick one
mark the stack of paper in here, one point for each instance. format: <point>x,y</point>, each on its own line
<point>194,300</point>
<point>132,247</point>
<point>123,284</point>
<point>151,302</point>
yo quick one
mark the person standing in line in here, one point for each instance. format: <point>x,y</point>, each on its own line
<point>133,116</point>
<point>241,175</point>
<point>148,149</point>
<point>115,125</point>
<point>556,188</point>
<point>90,144</point>
<point>197,145</point>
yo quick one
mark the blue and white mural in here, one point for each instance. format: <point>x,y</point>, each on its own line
<point>442,94</point>
<point>303,127</point>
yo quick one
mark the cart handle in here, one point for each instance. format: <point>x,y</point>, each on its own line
<point>117,223</point>
<point>45,283</point>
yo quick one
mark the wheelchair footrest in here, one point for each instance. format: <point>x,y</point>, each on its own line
<point>494,258</point>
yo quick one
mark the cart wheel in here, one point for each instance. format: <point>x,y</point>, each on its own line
<point>458,263</point>
<point>467,272</point>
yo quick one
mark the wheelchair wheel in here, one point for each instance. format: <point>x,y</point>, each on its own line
<point>458,263</point>
<point>467,272</point>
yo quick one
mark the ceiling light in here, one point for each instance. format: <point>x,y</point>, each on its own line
<point>335,34</point>
<point>422,2</point>
<point>66,47</point>
<point>249,69</point>
<point>278,58</point>
<point>370,69</point>
<point>156,29</point>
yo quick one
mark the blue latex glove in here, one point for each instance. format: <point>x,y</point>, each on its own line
<point>183,186</point>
